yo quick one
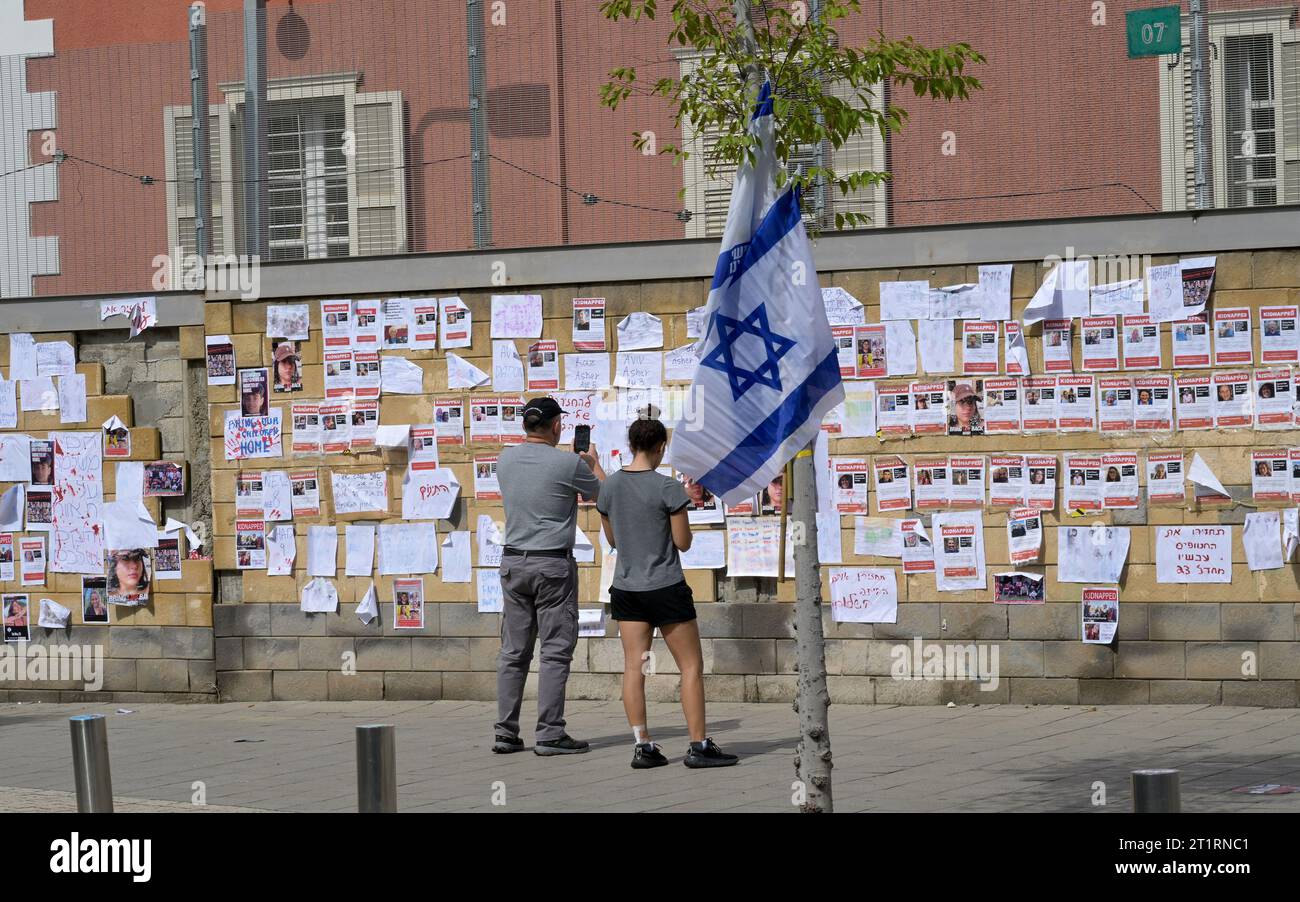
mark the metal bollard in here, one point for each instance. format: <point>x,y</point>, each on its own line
<point>90,764</point>
<point>1156,792</point>
<point>376,768</point>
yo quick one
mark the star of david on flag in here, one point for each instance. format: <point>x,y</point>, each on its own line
<point>769,369</point>
<point>722,357</point>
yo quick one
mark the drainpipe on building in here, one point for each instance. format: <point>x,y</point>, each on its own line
<point>199,124</point>
<point>255,129</point>
<point>1201,123</point>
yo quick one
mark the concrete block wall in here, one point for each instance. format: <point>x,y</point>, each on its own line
<point>162,650</point>
<point>1233,644</point>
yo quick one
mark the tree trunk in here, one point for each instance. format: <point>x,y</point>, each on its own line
<point>812,757</point>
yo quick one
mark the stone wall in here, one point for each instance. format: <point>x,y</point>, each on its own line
<point>1176,643</point>
<point>162,650</point>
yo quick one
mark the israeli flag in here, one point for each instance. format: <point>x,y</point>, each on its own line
<point>769,371</point>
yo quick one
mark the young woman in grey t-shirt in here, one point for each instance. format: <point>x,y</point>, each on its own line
<point>643,513</point>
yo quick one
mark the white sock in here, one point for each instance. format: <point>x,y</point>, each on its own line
<point>638,733</point>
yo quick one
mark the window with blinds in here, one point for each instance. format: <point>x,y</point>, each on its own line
<point>708,195</point>
<point>1254,110</point>
<point>336,172</point>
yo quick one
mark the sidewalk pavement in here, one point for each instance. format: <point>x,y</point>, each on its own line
<point>300,756</point>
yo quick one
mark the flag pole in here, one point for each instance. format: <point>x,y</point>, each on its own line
<point>812,699</point>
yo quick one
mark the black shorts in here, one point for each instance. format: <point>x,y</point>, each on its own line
<point>658,607</point>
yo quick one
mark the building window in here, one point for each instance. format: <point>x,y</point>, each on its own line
<point>708,196</point>
<point>307,194</point>
<point>336,171</point>
<point>1250,120</point>
<point>1254,68</point>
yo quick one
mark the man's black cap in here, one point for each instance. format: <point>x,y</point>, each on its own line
<point>539,411</point>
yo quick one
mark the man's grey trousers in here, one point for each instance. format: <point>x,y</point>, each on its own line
<point>540,600</point>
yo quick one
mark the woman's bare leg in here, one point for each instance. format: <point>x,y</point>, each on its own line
<point>636,638</point>
<point>684,642</point>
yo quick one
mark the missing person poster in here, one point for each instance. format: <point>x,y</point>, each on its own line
<point>1115,412</point>
<point>1195,404</point>
<point>1024,534</point>
<point>543,366</point>
<point>1001,406</point>
<point>931,476</point>
<point>486,487</point>
<point>1279,340</point>
<point>1058,352</point>
<point>1153,403</point>
<point>31,560</point>
<point>959,551</point>
<point>1120,485</point>
<point>589,324</point>
<point>871,363</point>
<point>336,426</point>
<point>1270,475</point>
<point>966,482</point>
<point>1100,343</point>
<point>449,420</point>
<point>1076,404</point>
<point>456,323</point>
<point>929,415</point>
<point>1232,343</point>
<point>424,330</point>
<point>306,427</point>
<point>850,475</point>
<point>965,406</point>
<point>1273,398</point>
<point>1142,343</point>
<point>250,544</point>
<point>1233,408</point>
<point>220,352</point>
<point>1038,411</point>
<point>1191,342</point>
<point>1008,480</point>
<point>129,574</point>
<point>304,491</point>
<point>1083,482</point>
<point>893,486</point>
<point>1165,478</point>
<point>1100,614</point>
<point>894,409</point>
<point>408,604</point>
<point>979,347</point>
<point>1040,492</point>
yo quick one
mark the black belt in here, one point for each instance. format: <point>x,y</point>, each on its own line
<point>546,552</point>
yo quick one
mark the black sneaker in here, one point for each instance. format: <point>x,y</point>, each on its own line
<point>504,745</point>
<point>647,755</point>
<point>707,754</point>
<point>565,745</point>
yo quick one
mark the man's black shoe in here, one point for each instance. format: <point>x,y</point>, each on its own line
<point>565,745</point>
<point>707,754</point>
<point>504,745</point>
<point>647,755</point>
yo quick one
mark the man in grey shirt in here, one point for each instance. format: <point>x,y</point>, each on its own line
<point>540,485</point>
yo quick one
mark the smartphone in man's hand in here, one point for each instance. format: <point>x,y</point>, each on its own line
<point>581,438</point>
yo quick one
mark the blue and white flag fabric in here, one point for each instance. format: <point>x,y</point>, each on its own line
<point>769,369</point>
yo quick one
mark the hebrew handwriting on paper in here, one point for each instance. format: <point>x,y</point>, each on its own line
<point>77,508</point>
<point>356,493</point>
<point>864,595</point>
<point>429,491</point>
<point>407,548</point>
<point>516,316</point>
<point>1194,554</point>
